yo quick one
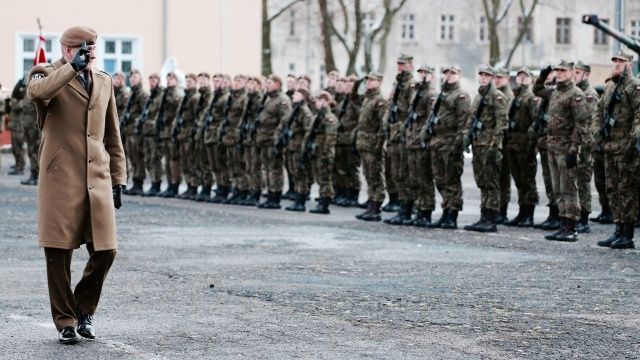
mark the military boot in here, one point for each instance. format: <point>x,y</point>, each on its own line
<point>205,194</point>
<point>222,193</point>
<point>404,213</point>
<point>298,203</point>
<point>323,206</point>
<point>235,192</point>
<point>263,204</point>
<point>242,196</point>
<point>154,190</point>
<point>253,199</point>
<point>527,218</point>
<point>559,231</point>
<point>274,201</point>
<point>16,172</point>
<point>369,207</point>
<point>501,216</point>
<point>625,241</point>
<point>340,196</point>
<point>191,191</point>
<point>637,224</point>
<point>516,220</point>
<point>171,192</point>
<point>393,205</point>
<point>423,218</point>
<point>438,224</point>
<point>364,205</point>
<point>472,227</point>
<point>605,216</point>
<point>451,222</point>
<point>374,214</point>
<point>351,200</point>
<point>290,194</point>
<point>136,189</point>
<point>32,180</point>
<point>489,224</point>
<point>583,223</point>
<point>569,234</point>
<point>553,220</point>
<point>611,239</point>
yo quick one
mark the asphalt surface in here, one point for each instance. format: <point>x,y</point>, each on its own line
<point>194,280</point>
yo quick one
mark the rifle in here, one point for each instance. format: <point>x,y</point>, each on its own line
<point>160,121</point>
<point>394,106</point>
<point>126,115</point>
<point>176,128</point>
<point>145,112</point>
<point>608,121</point>
<point>285,134</point>
<point>209,119</point>
<point>310,145</point>
<point>194,127</point>
<point>343,110</point>
<point>408,123</point>
<point>477,113</point>
<point>515,105</point>
<point>354,147</point>
<point>256,122</point>
<point>433,118</point>
<point>225,119</point>
<point>244,125</point>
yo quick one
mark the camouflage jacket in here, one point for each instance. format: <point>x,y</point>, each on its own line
<point>299,126</point>
<point>493,120</point>
<point>423,112</point>
<point>146,121</point>
<point>452,117</point>
<point>524,112</point>
<point>592,98</point>
<point>236,109</point>
<point>372,122</point>
<point>349,120</point>
<point>172,101</point>
<point>204,97</point>
<point>568,117</point>
<point>407,85</point>
<point>186,111</point>
<point>136,102</point>
<point>250,112</point>
<point>214,114</point>
<point>325,139</point>
<point>276,109</point>
<point>122,94</point>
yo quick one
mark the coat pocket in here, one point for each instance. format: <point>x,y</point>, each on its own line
<point>53,164</point>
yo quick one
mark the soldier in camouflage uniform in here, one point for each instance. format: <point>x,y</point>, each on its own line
<point>255,102</point>
<point>370,142</point>
<point>585,163</point>
<point>621,148</point>
<point>346,177</point>
<point>17,103</point>
<point>332,82</point>
<point>445,144</point>
<point>146,129</point>
<point>277,108</point>
<point>291,85</point>
<point>180,129</point>
<point>400,100</point>
<point>502,82</point>
<point>300,121</point>
<point>568,117</point>
<point>134,149</point>
<point>216,151</point>
<point>521,150</point>
<point>420,187</point>
<point>488,129</point>
<point>171,100</point>
<point>229,137</point>
<point>32,136</point>
<point>605,216</point>
<point>202,168</point>
<point>122,93</point>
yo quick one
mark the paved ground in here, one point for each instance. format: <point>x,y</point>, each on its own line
<point>226,282</point>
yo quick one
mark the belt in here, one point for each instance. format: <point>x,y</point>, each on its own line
<point>618,130</point>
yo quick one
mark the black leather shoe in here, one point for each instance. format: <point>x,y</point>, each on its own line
<point>68,336</point>
<point>85,326</point>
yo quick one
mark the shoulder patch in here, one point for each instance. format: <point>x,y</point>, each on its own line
<point>433,98</point>
<point>462,96</point>
<point>178,99</point>
<point>637,88</point>
<point>499,98</point>
<point>578,99</point>
<point>535,99</point>
<point>413,85</point>
<point>283,103</point>
<point>381,104</point>
<point>37,76</point>
<point>309,116</point>
<point>589,97</point>
<point>331,119</point>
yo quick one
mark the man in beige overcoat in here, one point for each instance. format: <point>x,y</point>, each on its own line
<point>83,170</point>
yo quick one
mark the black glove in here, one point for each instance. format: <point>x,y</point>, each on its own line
<point>544,73</point>
<point>81,60</point>
<point>117,196</point>
<point>630,154</point>
<point>572,160</point>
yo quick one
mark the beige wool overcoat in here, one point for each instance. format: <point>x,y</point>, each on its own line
<point>81,156</point>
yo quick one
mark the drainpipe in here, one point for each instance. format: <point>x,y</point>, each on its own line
<point>164,31</point>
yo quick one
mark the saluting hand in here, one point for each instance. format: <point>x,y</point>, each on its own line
<point>81,60</point>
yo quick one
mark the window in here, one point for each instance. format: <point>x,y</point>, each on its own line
<point>26,45</point>
<point>563,30</point>
<point>600,38</point>
<point>483,35</point>
<point>447,28</point>
<point>635,28</point>
<point>292,23</point>
<point>408,27</point>
<point>368,19</point>
<point>292,67</point>
<point>528,35</point>
<point>120,54</point>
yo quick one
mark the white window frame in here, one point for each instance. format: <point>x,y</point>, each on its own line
<point>21,55</point>
<point>137,51</point>
<point>634,28</point>
<point>292,23</point>
<point>568,40</point>
<point>447,29</point>
<point>408,28</point>
<point>599,37</point>
<point>483,29</point>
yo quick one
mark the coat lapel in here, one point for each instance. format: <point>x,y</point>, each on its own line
<point>75,83</point>
<point>95,82</point>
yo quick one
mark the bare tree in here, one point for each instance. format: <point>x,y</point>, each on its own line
<point>266,32</point>
<point>351,42</point>
<point>527,15</point>
<point>327,34</point>
<point>382,25</point>
<point>495,11</point>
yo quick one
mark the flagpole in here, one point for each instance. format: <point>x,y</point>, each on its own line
<point>39,25</point>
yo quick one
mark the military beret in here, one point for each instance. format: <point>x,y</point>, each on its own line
<point>257,79</point>
<point>120,74</point>
<point>583,66</point>
<point>404,58</point>
<point>204,74</point>
<point>154,75</point>
<point>503,72</point>
<point>374,75</point>
<point>172,74</point>
<point>305,77</point>
<point>74,36</point>
<point>243,76</point>
<point>292,76</point>
<point>524,70</point>
<point>334,73</point>
<point>218,75</point>
<point>564,65</point>
<point>275,78</point>
<point>325,95</point>
<point>226,77</point>
<point>622,55</point>
<point>135,71</point>
<point>305,92</point>
<point>486,70</point>
<point>352,78</point>
<point>192,76</point>
<point>426,68</point>
<point>454,68</point>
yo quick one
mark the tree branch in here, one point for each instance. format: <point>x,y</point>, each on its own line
<point>345,14</point>
<point>283,9</point>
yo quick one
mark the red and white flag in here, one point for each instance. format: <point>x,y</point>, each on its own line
<point>41,55</point>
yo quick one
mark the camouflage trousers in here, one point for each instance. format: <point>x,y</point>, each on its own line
<point>177,167</point>
<point>17,148</point>
<point>565,185</point>
<point>202,169</point>
<point>162,150</point>
<point>546,177</point>
<point>487,176</point>
<point>373,168</point>
<point>585,172</point>
<point>135,153</point>
<point>253,171</point>
<point>599,178</point>
<point>187,161</point>
<point>32,136</point>
<point>420,186</point>
<point>218,164</point>
<point>447,165</point>
<point>388,173</point>
<point>123,138</point>
<point>324,173</point>
<point>622,186</point>
<point>274,166</point>
<point>399,171</point>
<point>505,178</point>
<point>345,168</point>
<point>299,176</point>
<point>237,168</point>
<point>524,166</point>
